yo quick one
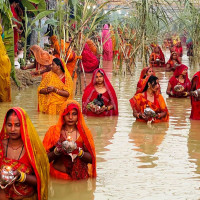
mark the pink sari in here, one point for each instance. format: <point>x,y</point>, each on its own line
<point>107,43</point>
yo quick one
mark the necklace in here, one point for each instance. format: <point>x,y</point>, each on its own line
<point>14,149</point>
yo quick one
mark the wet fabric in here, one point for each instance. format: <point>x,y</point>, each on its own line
<point>155,56</point>
<point>34,160</point>
<point>139,102</point>
<point>51,103</point>
<point>195,112</point>
<point>5,69</point>
<point>174,79</point>
<point>171,62</point>
<point>53,135</point>
<point>109,96</point>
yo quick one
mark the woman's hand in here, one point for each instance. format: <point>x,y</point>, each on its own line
<point>145,117</point>
<point>51,89</point>
<point>102,109</point>
<point>16,174</point>
<point>34,73</point>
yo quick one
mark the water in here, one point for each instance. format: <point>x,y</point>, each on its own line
<point>134,160</point>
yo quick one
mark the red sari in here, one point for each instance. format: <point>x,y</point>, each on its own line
<point>171,62</point>
<point>155,56</point>
<point>195,112</point>
<point>142,80</point>
<point>109,96</point>
<point>174,80</point>
<point>34,161</point>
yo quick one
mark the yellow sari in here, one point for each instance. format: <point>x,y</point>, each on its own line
<point>5,68</point>
<point>51,103</point>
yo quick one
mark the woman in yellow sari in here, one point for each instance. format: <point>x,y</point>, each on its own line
<point>55,88</point>
<point>23,156</point>
<point>5,68</point>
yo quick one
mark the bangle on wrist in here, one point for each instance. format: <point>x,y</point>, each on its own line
<point>39,72</point>
<point>108,108</point>
<point>81,153</point>
<point>22,177</point>
<point>158,115</point>
<point>57,90</point>
<point>56,152</point>
<point>138,115</point>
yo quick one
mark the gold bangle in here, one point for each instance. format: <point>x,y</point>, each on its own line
<point>56,152</point>
<point>38,72</point>
<point>80,153</point>
<point>22,177</point>
<point>108,108</point>
<point>57,90</point>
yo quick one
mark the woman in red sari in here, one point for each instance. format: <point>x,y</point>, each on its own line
<point>179,84</point>
<point>195,100</point>
<point>173,62</point>
<point>178,49</point>
<point>77,158</point>
<point>99,98</point>
<point>22,152</point>
<point>147,71</point>
<point>151,99</point>
<point>157,58</point>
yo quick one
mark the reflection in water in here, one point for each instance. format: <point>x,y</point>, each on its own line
<point>194,145</point>
<point>147,141</point>
<point>62,190</point>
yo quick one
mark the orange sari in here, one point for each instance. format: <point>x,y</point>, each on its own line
<point>34,161</point>
<point>53,135</point>
<point>51,103</point>
<point>139,102</point>
<point>5,69</point>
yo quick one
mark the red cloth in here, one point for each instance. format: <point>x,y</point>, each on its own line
<point>89,60</point>
<point>171,62</point>
<point>15,30</point>
<point>159,56</point>
<point>174,81</point>
<point>178,50</point>
<point>195,112</point>
<point>109,96</point>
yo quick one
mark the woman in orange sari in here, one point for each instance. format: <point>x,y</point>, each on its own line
<point>55,88</point>
<point>195,99</point>
<point>43,61</point>
<point>151,99</point>
<point>23,155</point>
<point>179,84</point>
<point>173,62</point>
<point>5,69</point>
<point>70,146</point>
<point>157,58</point>
<point>147,71</point>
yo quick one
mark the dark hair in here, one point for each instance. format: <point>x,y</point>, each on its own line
<point>59,63</point>
<point>9,113</point>
<point>152,81</point>
<point>12,1</point>
<point>101,72</point>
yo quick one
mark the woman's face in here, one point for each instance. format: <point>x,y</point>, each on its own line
<point>150,72</point>
<point>184,72</point>
<point>154,86</point>
<point>71,117</point>
<point>174,56</point>
<point>156,50</point>
<point>13,127</point>
<point>99,78</point>
<point>54,67</point>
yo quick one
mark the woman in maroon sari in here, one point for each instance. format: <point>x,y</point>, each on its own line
<point>99,98</point>
<point>195,99</point>
<point>179,84</point>
<point>173,62</point>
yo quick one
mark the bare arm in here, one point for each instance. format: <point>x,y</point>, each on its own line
<point>169,89</point>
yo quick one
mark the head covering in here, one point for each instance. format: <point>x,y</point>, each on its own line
<point>41,56</point>
<point>160,52</point>
<point>35,151</point>
<point>144,72</point>
<point>51,139</point>
<point>90,89</point>
<point>178,71</point>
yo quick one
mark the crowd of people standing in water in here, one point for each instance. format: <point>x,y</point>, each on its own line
<point>68,149</point>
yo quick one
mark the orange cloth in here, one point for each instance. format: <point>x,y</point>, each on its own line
<point>5,69</point>
<point>53,135</point>
<point>51,103</point>
<point>71,55</point>
<point>139,102</point>
<point>92,46</point>
<point>34,161</point>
